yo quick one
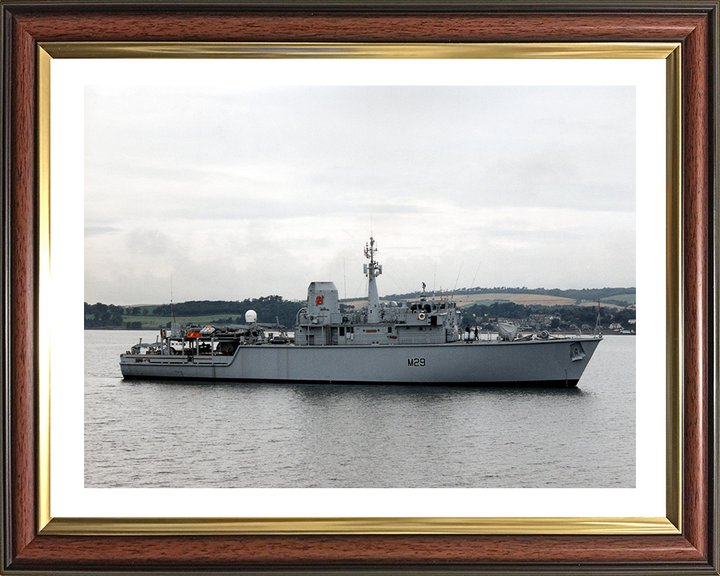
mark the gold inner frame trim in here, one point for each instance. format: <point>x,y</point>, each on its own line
<point>534,525</point>
<point>43,397</point>
<point>296,526</point>
<point>566,50</point>
<point>673,287</point>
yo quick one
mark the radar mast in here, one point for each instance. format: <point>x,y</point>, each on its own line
<point>372,271</point>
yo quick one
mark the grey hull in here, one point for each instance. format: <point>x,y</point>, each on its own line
<point>529,363</point>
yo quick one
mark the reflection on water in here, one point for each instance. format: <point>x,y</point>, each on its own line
<point>204,434</point>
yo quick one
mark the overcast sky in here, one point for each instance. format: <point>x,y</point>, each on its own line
<point>240,193</point>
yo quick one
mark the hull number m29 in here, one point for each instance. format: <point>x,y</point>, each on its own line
<point>416,362</point>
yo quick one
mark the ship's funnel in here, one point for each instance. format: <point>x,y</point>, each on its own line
<point>322,296</point>
<point>323,305</point>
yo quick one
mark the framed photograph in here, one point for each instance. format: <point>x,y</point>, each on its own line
<point>163,153</point>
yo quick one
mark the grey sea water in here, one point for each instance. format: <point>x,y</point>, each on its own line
<point>150,434</point>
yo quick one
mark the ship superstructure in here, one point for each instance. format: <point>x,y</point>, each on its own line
<point>390,323</point>
<point>418,341</point>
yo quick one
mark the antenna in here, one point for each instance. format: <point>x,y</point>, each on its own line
<point>434,278</point>
<point>457,280</point>
<point>172,307</point>
<point>476,273</point>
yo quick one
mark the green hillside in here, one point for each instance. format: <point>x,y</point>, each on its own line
<point>477,305</point>
<point>625,299</point>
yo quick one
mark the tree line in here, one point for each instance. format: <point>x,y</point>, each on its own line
<point>565,316</point>
<point>103,315</point>
<point>584,294</point>
<point>269,310</point>
<point>272,308</point>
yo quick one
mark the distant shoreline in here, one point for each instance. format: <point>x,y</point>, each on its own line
<point>529,310</point>
<point>564,333</point>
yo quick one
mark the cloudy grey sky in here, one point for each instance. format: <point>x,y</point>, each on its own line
<point>240,193</point>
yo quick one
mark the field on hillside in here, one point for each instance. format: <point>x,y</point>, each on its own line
<point>157,322</point>
<point>154,322</point>
<point>524,299</point>
<point>603,303</point>
<point>628,298</point>
<point>469,299</point>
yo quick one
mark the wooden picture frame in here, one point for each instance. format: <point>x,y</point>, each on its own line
<point>29,546</point>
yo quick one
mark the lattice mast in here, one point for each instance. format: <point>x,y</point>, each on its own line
<point>372,271</point>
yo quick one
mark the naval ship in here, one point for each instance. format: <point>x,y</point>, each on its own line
<point>419,342</point>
